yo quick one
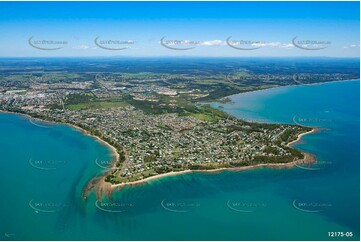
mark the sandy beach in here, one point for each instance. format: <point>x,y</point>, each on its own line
<point>308,159</point>
<point>299,137</point>
<point>103,186</point>
<point>176,173</point>
<point>115,154</point>
<point>83,131</point>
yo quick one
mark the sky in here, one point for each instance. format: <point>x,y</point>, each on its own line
<point>154,29</point>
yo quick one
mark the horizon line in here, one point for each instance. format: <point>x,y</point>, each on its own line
<point>210,57</point>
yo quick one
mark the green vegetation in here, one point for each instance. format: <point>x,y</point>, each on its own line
<point>79,98</point>
<point>95,105</point>
<point>176,129</point>
<point>207,113</point>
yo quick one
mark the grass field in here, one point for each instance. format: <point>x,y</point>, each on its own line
<point>95,105</point>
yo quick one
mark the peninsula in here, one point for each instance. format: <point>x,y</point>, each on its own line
<point>159,123</point>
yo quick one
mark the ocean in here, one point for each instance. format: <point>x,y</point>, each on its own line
<point>44,168</point>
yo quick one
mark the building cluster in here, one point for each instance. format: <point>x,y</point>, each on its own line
<point>153,144</point>
<point>157,144</point>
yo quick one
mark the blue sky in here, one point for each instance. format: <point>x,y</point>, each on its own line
<point>136,28</point>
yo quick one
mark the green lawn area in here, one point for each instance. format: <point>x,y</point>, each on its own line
<point>95,105</point>
<point>202,116</point>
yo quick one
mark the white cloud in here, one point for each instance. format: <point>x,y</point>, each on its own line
<point>84,47</point>
<point>350,46</point>
<point>287,46</point>
<point>273,44</point>
<point>212,42</point>
<point>194,42</point>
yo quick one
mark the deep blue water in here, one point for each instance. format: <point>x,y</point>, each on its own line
<point>43,169</point>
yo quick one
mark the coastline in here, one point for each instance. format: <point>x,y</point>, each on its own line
<point>299,137</point>
<point>308,159</point>
<point>95,181</point>
<point>108,187</point>
<point>176,173</point>
<point>114,152</point>
<point>295,85</point>
<point>103,186</point>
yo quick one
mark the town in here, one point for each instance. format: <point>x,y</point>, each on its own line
<point>155,129</point>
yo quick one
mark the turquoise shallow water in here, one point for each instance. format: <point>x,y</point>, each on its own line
<point>44,168</point>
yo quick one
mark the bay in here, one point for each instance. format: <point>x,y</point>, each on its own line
<point>44,168</point>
